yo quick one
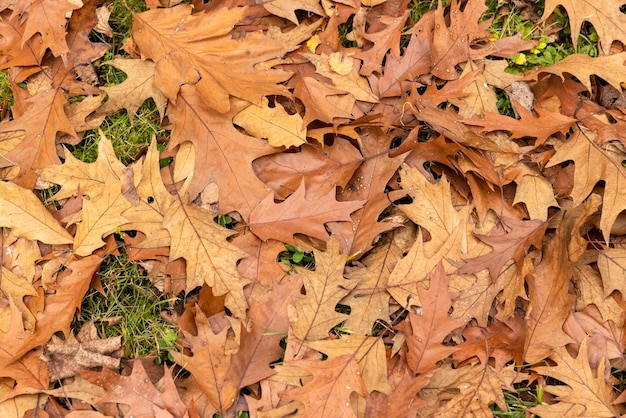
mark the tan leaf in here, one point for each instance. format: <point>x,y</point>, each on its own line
<point>604,15</point>
<point>466,391</point>
<point>138,392</point>
<point>274,123</point>
<point>47,17</point>
<point>350,82</point>
<point>322,102</point>
<point>90,178</point>
<point>323,169</point>
<point>452,40</point>
<point>132,92</point>
<point>593,164</point>
<point>313,316</point>
<point>287,8</point>
<point>586,387</point>
<point>368,352</point>
<point>537,194</point>
<point>24,213</point>
<point>41,123</point>
<point>328,394</point>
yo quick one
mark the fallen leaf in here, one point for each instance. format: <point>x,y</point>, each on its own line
<point>273,123</point>
<point>296,214</point>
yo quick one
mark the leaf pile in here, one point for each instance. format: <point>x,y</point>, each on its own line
<point>458,251</point>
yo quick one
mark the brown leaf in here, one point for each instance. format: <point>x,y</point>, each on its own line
<point>139,393</point>
<point>466,391</point>
<point>323,169</point>
<point>584,387</point>
<point>452,41</point>
<point>296,214</point>
<point>369,184</point>
<point>429,327</point>
<point>260,340</point>
<point>541,127</point>
<point>60,307</point>
<point>209,364</point>
<point>313,316</point>
<point>174,37</point>
<point>41,123</point>
<point>593,164</point>
<point>223,155</point>
<point>322,102</point>
<point>329,393</point>
<point>368,352</point>
<point>46,17</point>
<point>511,245</point>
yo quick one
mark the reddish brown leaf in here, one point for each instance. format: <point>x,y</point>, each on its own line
<point>296,214</point>
<point>431,325</point>
<point>511,245</point>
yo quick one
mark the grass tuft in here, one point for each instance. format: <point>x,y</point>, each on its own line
<point>132,308</point>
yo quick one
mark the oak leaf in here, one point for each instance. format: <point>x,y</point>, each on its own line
<point>297,214</point>
<point>46,17</point>
<point>541,127</point>
<point>260,341</point>
<point>605,16</point>
<point>273,123</point>
<point>322,102</point>
<point>88,178</point>
<point>139,393</point>
<point>41,123</point>
<point>536,192</point>
<point>59,309</point>
<point>592,165</point>
<point>321,168</point>
<point>343,71</point>
<point>519,237</point>
<point>23,212</point>
<point>16,288</point>
<point>612,264</point>
<point>452,40</point>
<point>609,67</point>
<point>466,391</point>
<point>194,236</point>
<point>387,39</point>
<point>369,300</point>
<point>209,364</point>
<point>584,387</point>
<point>136,89</point>
<point>313,316</point>
<point>369,183</point>
<point>287,8</point>
<point>427,330</point>
<point>400,73</point>
<point>550,301</point>
<point>223,155</point>
<point>16,51</point>
<point>368,352</point>
<point>192,49</point>
<point>329,393</point>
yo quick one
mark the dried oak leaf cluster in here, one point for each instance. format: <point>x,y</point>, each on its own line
<point>452,244</point>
